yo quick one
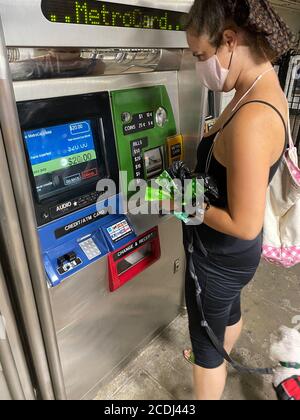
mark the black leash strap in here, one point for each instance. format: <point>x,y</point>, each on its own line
<point>215,341</point>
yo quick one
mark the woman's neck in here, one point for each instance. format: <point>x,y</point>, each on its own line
<point>249,74</point>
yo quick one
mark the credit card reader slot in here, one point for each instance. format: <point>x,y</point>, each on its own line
<point>68,262</point>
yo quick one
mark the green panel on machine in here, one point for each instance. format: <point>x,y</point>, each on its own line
<point>144,120</point>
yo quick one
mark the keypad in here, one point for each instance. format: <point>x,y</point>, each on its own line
<point>90,249</point>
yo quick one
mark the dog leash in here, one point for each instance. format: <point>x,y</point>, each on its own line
<point>295,366</point>
<point>213,338</point>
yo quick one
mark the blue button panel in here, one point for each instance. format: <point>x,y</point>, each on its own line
<point>72,243</point>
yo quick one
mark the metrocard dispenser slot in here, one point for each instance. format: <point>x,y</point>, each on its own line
<point>68,262</point>
<point>129,261</point>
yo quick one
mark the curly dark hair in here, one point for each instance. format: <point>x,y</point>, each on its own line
<point>266,32</point>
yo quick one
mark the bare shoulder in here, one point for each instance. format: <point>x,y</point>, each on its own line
<point>257,128</point>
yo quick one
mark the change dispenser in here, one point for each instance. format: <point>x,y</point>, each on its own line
<point>143,120</point>
<point>132,259</point>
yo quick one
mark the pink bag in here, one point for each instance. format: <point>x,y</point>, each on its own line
<point>281,243</point>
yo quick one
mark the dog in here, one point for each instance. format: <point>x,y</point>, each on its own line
<point>287,374</point>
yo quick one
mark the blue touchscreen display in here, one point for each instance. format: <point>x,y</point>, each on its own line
<point>62,157</point>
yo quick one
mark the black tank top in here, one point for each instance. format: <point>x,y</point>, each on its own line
<point>238,252</point>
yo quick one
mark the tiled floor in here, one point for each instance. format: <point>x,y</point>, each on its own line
<point>160,373</point>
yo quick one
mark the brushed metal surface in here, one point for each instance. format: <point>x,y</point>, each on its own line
<point>24,21</point>
<point>25,227</point>
<point>9,369</point>
<point>192,104</point>
<point>97,330</point>
<point>11,349</point>
<point>24,25</point>
<point>142,222</point>
<point>26,63</point>
<point>40,89</point>
<point>4,392</point>
<point>13,256</point>
<point>7,361</point>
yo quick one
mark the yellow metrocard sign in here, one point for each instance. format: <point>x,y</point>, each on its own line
<point>175,149</point>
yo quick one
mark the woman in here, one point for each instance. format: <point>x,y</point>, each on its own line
<point>235,43</point>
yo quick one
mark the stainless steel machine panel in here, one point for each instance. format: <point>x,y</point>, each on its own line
<point>192,103</point>
<point>4,392</point>
<point>64,87</point>
<point>30,25</point>
<point>98,331</point>
<point>101,330</point>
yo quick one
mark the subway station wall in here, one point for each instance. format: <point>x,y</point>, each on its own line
<point>291,17</point>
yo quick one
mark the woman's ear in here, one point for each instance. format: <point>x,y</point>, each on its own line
<point>230,39</point>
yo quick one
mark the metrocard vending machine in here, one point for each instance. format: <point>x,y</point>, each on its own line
<point>93,101</point>
<point>70,147</point>
<point>105,273</point>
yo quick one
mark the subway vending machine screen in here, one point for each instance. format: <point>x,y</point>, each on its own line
<point>62,157</point>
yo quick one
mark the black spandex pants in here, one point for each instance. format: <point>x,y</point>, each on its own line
<point>221,285</point>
